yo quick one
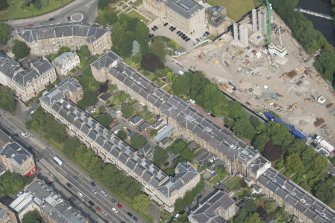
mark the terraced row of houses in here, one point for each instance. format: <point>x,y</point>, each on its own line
<point>191,123</point>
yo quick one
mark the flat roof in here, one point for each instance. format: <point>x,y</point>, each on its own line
<point>185,8</point>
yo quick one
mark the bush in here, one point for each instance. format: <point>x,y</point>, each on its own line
<point>4,31</point>
<point>12,183</point>
<point>160,156</point>
<point>32,217</point>
<point>122,134</point>
<point>20,49</point>
<point>138,141</point>
<point>182,203</point>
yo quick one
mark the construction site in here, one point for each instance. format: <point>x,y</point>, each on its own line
<point>262,66</point>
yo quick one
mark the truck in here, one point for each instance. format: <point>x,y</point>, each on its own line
<point>57,160</point>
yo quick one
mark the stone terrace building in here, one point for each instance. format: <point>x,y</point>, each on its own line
<point>163,189</point>
<point>187,15</point>
<point>6,215</point>
<point>27,83</point>
<point>192,124</point>
<point>48,39</point>
<point>53,208</point>
<point>217,207</point>
<point>17,159</point>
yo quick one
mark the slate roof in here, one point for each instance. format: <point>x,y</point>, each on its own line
<point>296,196</point>
<point>217,136</point>
<point>15,152</point>
<point>115,147</point>
<point>90,32</point>
<point>21,76</point>
<point>185,8</point>
<point>207,212</point>
<point>48,201</point>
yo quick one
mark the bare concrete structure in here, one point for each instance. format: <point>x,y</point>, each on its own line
<point>235,32</point>
<point>244,38</point>
<point>254,19</point>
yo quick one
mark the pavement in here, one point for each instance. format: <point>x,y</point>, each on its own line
<point>88,8</point>
<point>67,172</point>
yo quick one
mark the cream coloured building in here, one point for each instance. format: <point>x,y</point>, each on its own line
<point>17,159</point>
<point>163,189</point>
<point>27,83</point>
<point>65,62</point>
<point>187,15</point>
<point>6,215</point>
<point>48,39</point>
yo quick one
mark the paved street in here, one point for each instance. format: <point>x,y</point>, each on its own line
<point>81,183</point>
<point>88,8</point>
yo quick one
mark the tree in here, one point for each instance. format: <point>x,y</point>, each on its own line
<point>160,156</point>
<point>326,191</point>
<point>181,85</point>
<point>182,203</point>
<point>158,48</point>
<point>294,164</point>
<point>141,203</point>
<point>11,183</point>
<point>138,141</point>
<point>122,134</point>
<point>4,32</point>
<point>260,141</point>
<point>7,99</point>
<point>151,62</point>
<point>32,217</point>
<point>20,49</point>
<point>253,218</point>
<point>325,63</point>
<point>3,5</point>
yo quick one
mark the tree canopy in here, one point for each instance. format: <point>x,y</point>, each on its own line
<point>151,62</point>
<point>12,183</point>
<point>122,134</point>
<point>160,156</point>
<point>3,5</point>
<point>138,141</point>
<point>32,217</point>
<point>7,99</point>
<point>125,31</point>
<point>4,32</point>
<point>20,49</point>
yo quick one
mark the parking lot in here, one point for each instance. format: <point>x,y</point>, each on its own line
<point>187,41</point>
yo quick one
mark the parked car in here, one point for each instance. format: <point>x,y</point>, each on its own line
<point>130,214</point>
<point>115,211</point>
<point>114,201</point>
<point>119,205</point>
<point>90,203</point>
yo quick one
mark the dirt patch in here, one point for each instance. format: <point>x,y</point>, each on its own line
<point>318,122</point>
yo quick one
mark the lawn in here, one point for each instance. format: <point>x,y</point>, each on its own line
<point>233,183</point>
<point>16,11</point>
<point>235,8</point>
<point>134,14</point>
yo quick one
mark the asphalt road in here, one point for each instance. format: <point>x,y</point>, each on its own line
<point>86,7</point>
<point>81,183</point>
